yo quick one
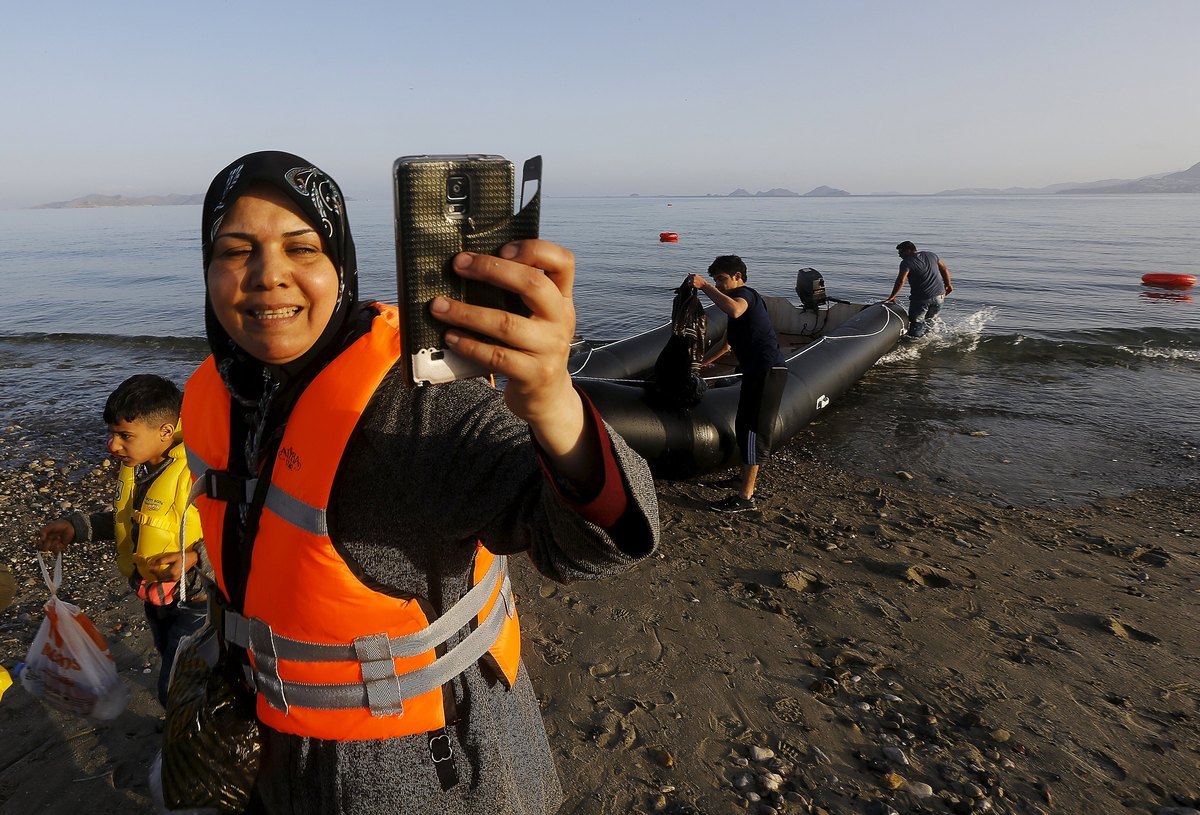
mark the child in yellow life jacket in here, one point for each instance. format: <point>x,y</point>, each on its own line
<point>148,508</point>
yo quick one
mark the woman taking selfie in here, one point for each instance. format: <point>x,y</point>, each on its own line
<point>358,529</point>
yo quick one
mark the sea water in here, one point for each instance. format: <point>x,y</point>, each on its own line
<point>1053,375</point>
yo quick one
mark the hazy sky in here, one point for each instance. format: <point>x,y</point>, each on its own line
<point>620,97</point>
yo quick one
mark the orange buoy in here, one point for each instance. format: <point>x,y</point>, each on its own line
<point>673,237</point>
<point>1169,281</point>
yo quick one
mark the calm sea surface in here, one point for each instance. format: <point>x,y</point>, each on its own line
<point>1084,381</point>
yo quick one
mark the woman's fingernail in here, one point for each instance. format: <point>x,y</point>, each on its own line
<point>452,338</point>
<point>462,260</point>
<point>508,251</point>
<point>440,305</point>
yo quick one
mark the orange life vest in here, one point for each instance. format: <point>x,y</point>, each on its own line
<point>332,658</point>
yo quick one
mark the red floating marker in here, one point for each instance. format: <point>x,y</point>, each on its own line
<point>673,237</point>
<point>1169,281</point>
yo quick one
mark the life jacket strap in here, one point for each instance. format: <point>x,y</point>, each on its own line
<point>382,689</point>
<point>311,519</point>
<point>237,628</point>
<point>442,753</point>
<point>142,519</point>
<point>385,697</point>
<point>266,665</point>
<point>222,485</point>
<point>411,684</point>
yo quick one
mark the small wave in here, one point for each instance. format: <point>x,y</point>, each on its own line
<point>1186,354</point>
<point>1098,348</point>
<point>108,341</point>
<point>959,335</point>
<point>1108,346</point>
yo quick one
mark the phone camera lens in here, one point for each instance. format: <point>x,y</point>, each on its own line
<point>456,188</point>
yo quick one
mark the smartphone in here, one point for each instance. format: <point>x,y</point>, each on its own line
<point>445,205</point>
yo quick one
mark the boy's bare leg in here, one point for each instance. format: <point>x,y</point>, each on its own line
<point>749,476</point>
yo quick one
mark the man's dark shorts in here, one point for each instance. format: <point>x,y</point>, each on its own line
<point>746,424</point>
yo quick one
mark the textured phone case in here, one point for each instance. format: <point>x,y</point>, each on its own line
<point>428,238</point>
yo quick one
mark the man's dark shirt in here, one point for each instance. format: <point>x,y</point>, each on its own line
<point>752,336</point>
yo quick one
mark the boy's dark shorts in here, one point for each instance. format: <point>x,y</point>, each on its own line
<point>746,423</point>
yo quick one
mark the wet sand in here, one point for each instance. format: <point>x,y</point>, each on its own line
<point>855,646</point>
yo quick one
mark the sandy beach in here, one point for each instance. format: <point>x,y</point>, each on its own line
<point>855,646</point>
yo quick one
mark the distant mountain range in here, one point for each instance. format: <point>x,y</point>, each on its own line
<point>1184,181</point>
<point>94,200</point>
<point>779,192</point>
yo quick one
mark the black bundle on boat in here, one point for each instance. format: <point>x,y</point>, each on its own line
<point>677,381</point>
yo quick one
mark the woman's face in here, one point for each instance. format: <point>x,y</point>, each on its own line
<point>271,284</point>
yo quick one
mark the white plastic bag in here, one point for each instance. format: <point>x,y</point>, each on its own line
<point>69,665</point>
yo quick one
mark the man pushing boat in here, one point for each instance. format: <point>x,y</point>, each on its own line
<point>928,281</point>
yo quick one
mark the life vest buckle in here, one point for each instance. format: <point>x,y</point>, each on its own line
<point>446,753</point>
<point>222,485</point>
<point>443,758</point>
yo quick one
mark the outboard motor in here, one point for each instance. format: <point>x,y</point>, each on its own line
<point>810,286</point>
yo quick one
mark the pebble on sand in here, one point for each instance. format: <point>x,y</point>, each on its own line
<point>919,789</point>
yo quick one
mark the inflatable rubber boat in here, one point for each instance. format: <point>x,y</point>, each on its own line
<point>828,346</point>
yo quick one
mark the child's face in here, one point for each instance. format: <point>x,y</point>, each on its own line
<point>139,442</point>
<point>726,282</point>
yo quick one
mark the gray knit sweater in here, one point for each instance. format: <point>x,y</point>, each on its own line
<point>426,472</point>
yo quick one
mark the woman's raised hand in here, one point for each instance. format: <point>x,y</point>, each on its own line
<point>531,352</point>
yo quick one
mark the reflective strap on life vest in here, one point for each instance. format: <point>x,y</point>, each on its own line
<point>382,689</point>
<point>237,628</point>
<point>196,465</point>
<point>296,512</point>
<point>230,488</point>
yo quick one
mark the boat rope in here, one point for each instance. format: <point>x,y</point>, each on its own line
<point>610,379</point>
<point>822,321</point>
<point>888,313</point>
<point>805,349</point>
<point>583,364</point>
<point>890,316</point>
<point>591,351</point>
<point>635,336</point>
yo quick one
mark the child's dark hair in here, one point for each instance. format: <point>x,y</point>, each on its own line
<point>730,265</point>
<point>147,397</point>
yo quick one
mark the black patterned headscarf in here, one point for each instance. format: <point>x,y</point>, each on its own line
<point>270,391</point>
<point>319,199</point>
